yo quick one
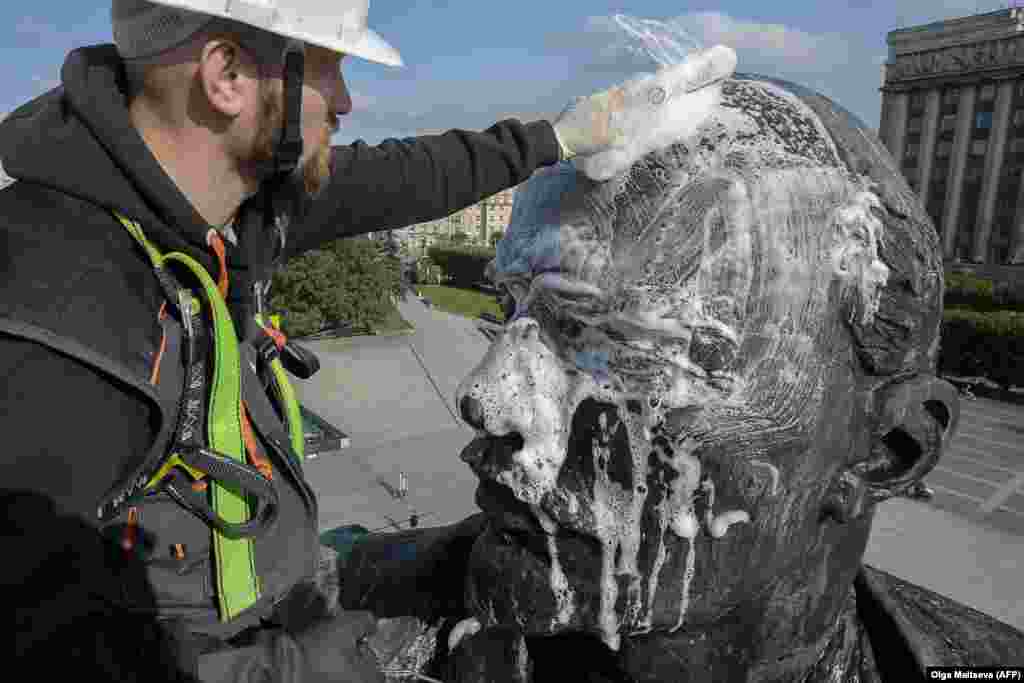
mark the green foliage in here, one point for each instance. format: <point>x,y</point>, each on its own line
<point>427,272</point>
<point>465,302</point>
<point>980,294</point>
<point>460,237</point>
<point>496,237</point>
<point>350,280</point>
<point>462,265</point>
<point>985,344</point>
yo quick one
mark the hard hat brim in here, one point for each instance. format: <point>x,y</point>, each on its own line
<point>362,42</point>
<point>370,46</point>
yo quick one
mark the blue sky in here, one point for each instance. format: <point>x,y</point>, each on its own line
<point>470,63</point>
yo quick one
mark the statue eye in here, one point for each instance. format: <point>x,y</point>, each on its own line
<point>711,351</point>
<point>570,327</point>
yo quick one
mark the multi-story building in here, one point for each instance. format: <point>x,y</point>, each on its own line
<point>488,217</point>
<point>479,223</point>
<point>953,118</point>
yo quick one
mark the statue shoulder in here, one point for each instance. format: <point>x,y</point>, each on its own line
<point>906,622</point>
<point>418,572</point>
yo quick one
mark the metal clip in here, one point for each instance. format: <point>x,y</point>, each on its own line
<point>258,296</point>
<point>185,306</point>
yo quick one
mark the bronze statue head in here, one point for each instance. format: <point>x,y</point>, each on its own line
<point>713,366</point>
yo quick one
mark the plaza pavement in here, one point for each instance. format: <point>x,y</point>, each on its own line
<point>394,397</point>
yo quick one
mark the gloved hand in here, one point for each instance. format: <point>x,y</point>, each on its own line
<point>614,128</point>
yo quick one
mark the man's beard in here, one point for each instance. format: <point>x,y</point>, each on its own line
<point>314,170</point>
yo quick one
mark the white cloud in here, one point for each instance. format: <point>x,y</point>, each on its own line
<point>775,40</point>
<point>843,66</point>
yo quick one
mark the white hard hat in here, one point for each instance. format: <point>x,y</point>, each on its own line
<point>338,25</point>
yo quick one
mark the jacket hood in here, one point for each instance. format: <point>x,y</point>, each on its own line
<point>78,139</point>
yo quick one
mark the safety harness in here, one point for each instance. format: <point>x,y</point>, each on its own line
<point>205,470</point>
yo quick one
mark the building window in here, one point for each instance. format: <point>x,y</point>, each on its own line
<point>943,149</point>
<point>912,175</point>
<point>910,154</point>
<point>979,147</point>
<point>983,120</point>
<point>1017,146</point>
<point>988,92</point>
<point>914,125</point>
<point>952,96</point>
<point>916,100</point>
<point>948,123</point>
<point>972,173</point>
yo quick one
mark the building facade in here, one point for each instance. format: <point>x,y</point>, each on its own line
<point>479,223</point>
<point>953,118</point>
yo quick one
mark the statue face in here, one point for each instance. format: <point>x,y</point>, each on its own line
<point>676,387</point>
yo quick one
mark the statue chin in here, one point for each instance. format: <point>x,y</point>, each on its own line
<point>509,583</point>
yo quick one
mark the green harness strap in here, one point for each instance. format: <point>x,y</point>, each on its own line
<point>237,582</point>
<point>293,415</point>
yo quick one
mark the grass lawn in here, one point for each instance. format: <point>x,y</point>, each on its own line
<point>465,302</point>
<point>392,322</point>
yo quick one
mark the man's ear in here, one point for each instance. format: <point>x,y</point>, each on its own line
<point>915,419</point>
<point>224,77</point>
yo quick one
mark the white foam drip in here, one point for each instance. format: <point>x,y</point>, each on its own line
<point>717,525</point>
<point>772,469</point>
<point>565,604</point>
<point>855,255</point>
<point>466,627</point>
<point>546,523</point>
<point>684,598</point>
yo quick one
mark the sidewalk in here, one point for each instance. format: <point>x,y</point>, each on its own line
<point>395,398</point>
<point>951,555</point>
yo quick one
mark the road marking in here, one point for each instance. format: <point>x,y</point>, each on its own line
<point>940,468</point>
<point>973,499</point>
<point>1016,447</point>
<point>990,411</point>
<point>983,463</point>
<point>1003,494</point>
<point>975,424</point>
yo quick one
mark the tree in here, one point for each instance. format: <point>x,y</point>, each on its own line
<point>460,237</point>
<point>496,237</point>
<point>347,281</point>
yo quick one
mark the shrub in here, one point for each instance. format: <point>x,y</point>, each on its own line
<point>349,280</point>
<point>965,289</point>
<point>986,344</point>
<point>462,265</point>
<point>970,291</point>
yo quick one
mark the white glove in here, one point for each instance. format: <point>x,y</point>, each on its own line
<point>614,128</point>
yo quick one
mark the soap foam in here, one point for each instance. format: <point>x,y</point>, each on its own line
<point>530,390</point>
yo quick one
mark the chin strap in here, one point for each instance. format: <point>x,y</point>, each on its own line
<point>278,189</point>
<point>289,147</point>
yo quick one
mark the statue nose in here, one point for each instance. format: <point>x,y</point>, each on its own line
<point>472,412</point>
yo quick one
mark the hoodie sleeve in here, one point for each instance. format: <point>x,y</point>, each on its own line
<point>403,182</point>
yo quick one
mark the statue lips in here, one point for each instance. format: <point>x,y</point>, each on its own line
<point>511,520</point>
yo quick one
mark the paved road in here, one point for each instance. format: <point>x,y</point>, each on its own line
<point>986,454</point>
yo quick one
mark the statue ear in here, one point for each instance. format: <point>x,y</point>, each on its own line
<point>914,422</point>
